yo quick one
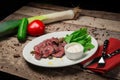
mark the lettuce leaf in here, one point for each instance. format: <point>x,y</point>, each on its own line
<point>80,36</point>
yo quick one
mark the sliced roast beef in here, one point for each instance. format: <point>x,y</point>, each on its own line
<point>49,47</point>
<point>38,56</point>
<point>55,40</point>
<point>48,42</point>
<point>60,53</point>
<point>56,48</point>
<point>47,51</point>
<point>36,49</point>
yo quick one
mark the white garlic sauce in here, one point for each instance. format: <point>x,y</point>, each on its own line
<point>75,48</point>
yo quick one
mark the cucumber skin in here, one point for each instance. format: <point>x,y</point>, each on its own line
<point>9,27</point>
<point>22,30</point>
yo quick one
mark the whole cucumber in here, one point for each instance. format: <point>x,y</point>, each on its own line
<point>22,30</point>
<point>9,27</point>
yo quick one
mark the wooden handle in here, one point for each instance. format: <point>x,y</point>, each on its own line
<point>105,46</point>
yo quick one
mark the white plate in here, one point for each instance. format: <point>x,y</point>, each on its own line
<point>55,62</point>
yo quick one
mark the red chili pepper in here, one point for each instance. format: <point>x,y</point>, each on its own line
<point>36,28</point>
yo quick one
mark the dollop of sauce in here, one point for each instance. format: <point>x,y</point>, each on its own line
<point>74,51</point>
<point>75,48</point>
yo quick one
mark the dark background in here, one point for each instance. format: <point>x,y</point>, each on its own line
<point>7,7</point>
<point>104,5</point>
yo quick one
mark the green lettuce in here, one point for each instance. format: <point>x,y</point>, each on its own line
<point>80,36</point>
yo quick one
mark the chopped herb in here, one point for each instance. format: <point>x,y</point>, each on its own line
<point>32,52</point>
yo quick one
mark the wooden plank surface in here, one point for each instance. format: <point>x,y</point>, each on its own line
<point>100,26</point>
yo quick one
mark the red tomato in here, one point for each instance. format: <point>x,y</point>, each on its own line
<point>36,28</point>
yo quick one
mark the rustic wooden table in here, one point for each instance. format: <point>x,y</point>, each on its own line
<point>101,25</point>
